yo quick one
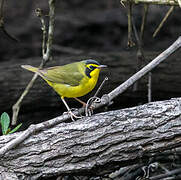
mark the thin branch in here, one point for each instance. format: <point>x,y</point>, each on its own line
<point>10,36</point>
<point>1,8</point>
<point>136,34</point>
<point>155,2</point>
<point>163,21</point>
<point>104,100</point>
<point>16,107</point>
<point>121,2</point>
<point>46,56</point>
<point>2,26</point>
<point>140,55</point>
<point>31,130</point>
<point>144,18</point>
<point>149,86</point>
<point>94,99</point>
<point>155,62</point>
<point>170,173</point>
<point>39,14</point>
<point>130,42</point>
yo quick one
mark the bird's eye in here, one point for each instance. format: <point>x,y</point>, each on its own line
<point>91,67</point>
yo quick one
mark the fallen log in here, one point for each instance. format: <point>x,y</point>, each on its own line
<point>121,136</point>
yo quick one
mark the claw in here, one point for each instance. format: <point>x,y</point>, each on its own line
<point>72,115</point>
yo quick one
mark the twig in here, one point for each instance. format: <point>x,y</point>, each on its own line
<point>39,14</point>
<point>104,100</point>
<point>170,173</point>
<point>100,87</point>
<point>130,42</point>
<point>149,86</point>
<point>140,54</point>
<point>94,99</point>
<point>2,26</point>
<point>155,2</point>
<point>1,8</point>
<point>122,3</point>
<point>163,21</point>
<point>1,13</point>
<point>120,172</point>
<point>10,36</point>
<point>140,171</point>
<point>164,168</point>
<point>46,56</point>
<point>31,130</point>
<point>144,18</point>
<point>155,62</point>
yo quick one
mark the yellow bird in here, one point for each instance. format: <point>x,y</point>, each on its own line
<point>71,80</point>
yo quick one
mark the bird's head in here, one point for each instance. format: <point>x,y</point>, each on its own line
<point>93,67</point>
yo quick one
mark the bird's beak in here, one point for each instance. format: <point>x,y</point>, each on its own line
<point>101,66</point>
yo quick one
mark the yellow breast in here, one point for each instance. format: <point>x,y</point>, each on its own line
<point>86,85</point>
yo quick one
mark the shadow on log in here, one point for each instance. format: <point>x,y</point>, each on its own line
<point>122,136</point>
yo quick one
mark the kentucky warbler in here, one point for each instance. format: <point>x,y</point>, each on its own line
<point>71,80</point>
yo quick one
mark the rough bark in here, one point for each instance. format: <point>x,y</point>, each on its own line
<point>8,176</point>
<point>122,136</point>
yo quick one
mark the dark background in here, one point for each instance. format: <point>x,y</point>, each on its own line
<point>84,29</point>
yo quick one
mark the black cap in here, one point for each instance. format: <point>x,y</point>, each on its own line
<point>91,61</point>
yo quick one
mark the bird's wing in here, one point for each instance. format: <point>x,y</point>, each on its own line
<point>68,74</point>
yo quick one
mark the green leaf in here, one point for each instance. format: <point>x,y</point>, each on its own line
<point>5,121</point>
<point>15,129</point>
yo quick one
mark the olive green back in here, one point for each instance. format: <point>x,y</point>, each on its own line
<point>70,74</point>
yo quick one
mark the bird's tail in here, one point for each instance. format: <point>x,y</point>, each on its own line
<point>30,68</point>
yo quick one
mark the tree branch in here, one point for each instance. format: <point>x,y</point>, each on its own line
<point>122,136</point>
<point>46,56</point>
<point>158,2</point>
<point>155,62</point>
<point>168,174</point>
<point>163,21</point>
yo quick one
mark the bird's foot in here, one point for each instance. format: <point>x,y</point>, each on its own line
<point>72,115</point>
